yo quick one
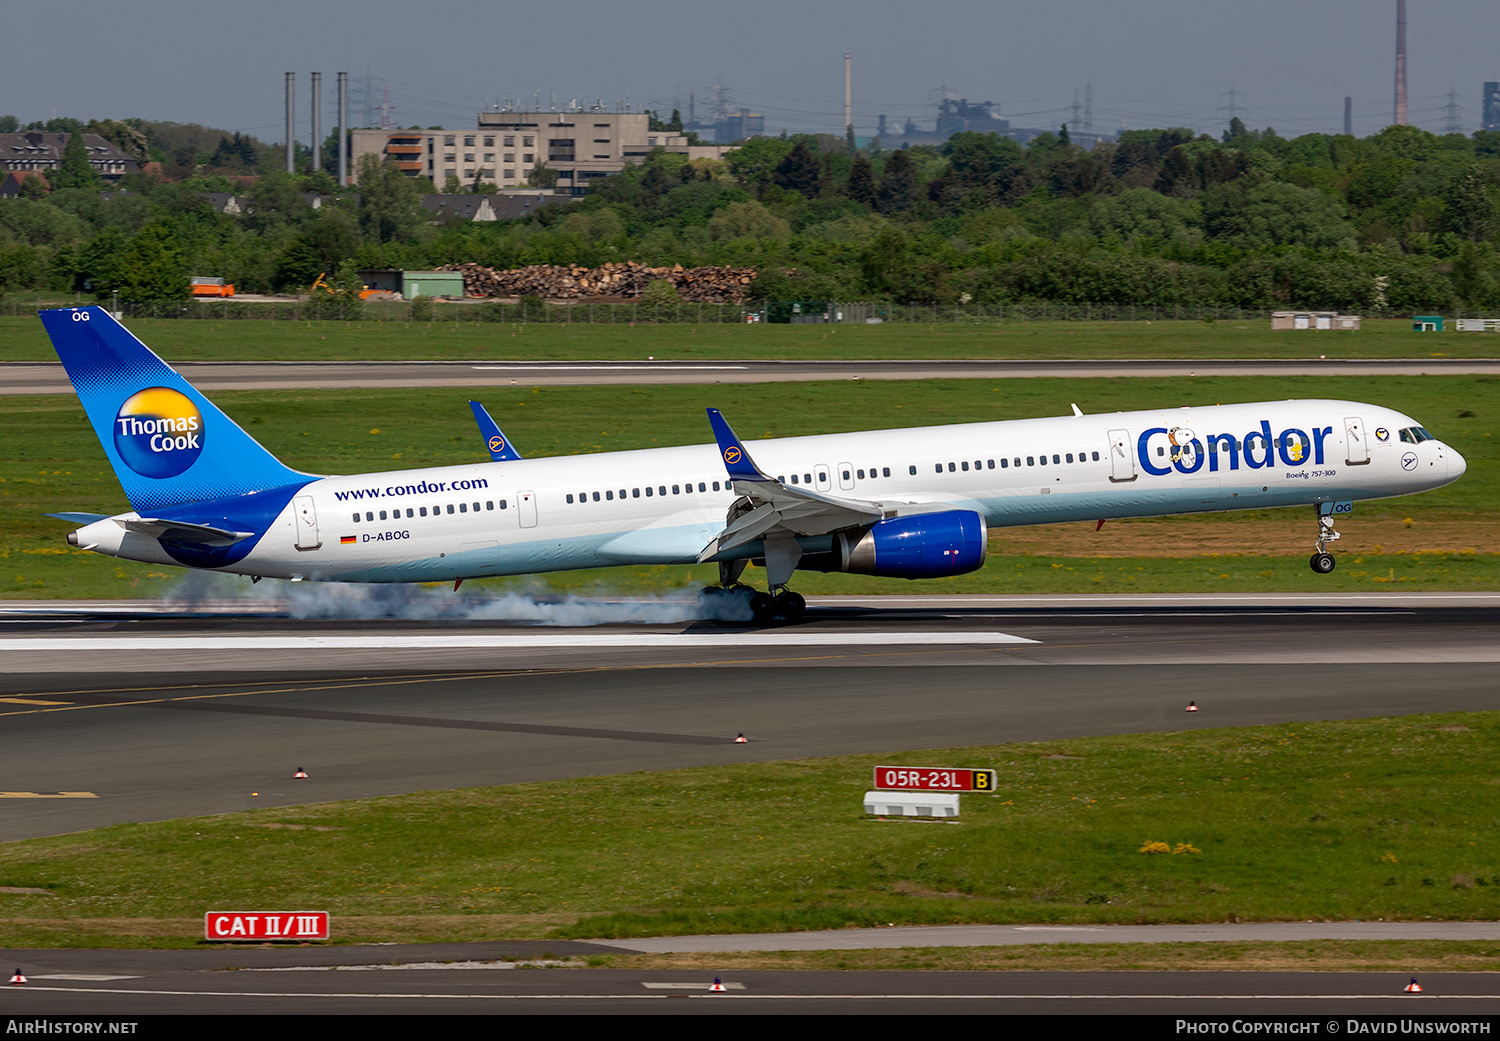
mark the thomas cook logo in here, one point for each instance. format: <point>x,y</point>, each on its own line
<point>497,444</point>
<point>158,432</point>
<point>731,455</point>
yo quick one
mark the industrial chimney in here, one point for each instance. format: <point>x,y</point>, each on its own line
<point>1401,63</point>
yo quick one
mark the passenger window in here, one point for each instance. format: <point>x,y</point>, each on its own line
<point>502,504</point>
<point>489,505</point>
<point>609,495</point>
<point>463,507</point>
<point>661,489</point>
<point>937,468</point>
<point>596,496</point>
<point>846,474</point>
<point>1004,464</point>
<point>887,470</point>
<point>807,478</point>
<point>716,485</point>
<point>382,515</point>
<point>356,518</point>
<point>1041,457</point>
<point>1070,457</point>
<point>636,492</point>
<point>992,464</point>
<point>794,478</point>
<point>570,498</point>
<point>1096,457</point>
<point>450,507</point>
<point>408,513</point>
<point>423,511</point>
<point>703,487</point>
<point>674,489</point>
<point>1031,460</point>
<point>953,469</point>
<point>1056,459</point>
<point>912,470</point>
<point>648,491</point>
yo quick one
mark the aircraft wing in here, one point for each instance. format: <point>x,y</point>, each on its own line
<point>779,511</point>
<point>495,443</point>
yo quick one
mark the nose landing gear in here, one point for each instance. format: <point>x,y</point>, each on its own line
<point>1322,561</point>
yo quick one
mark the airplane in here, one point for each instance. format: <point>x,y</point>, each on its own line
<point>908,503</point>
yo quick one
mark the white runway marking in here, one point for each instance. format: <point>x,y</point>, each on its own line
<point>669,367</point>
<point>543,640</point>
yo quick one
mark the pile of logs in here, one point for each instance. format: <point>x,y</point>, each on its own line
<point>623,281</point>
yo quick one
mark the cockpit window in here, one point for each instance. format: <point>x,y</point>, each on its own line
<point>1416,435</point>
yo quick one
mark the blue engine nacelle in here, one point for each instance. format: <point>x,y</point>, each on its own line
<point>927,545</point>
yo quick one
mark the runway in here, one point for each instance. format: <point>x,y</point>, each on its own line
<point>35,378</point>
<point>128,716</point>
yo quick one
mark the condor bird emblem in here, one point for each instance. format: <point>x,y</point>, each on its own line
<point>731,455</point>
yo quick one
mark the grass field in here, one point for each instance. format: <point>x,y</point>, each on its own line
<point>1447,539</point>
<point>23,339</point>
<point>1366,819</point>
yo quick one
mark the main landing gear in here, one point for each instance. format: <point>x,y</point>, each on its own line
<point>731,601</point>
<point>1322,561</point>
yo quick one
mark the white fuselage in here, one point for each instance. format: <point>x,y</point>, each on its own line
<point>663,506</point>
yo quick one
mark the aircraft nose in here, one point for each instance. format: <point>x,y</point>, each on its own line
<point>1456,465</point>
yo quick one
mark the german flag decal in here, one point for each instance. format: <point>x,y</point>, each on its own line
<point>348,540</point>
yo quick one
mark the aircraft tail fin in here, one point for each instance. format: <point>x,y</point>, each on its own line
<point>167,443</point>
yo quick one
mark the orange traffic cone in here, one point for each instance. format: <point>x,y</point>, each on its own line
<point>1192,707</point>
<point>1413,987</point>
<point>718,986</point>
<point>741,740</point>
<point>300,775</point>
<point>18,979</point>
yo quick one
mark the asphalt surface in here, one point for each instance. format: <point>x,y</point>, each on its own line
<point>165,711</point>
<point>256,982</point>
<point>152,718</point>
<point>33,378</point>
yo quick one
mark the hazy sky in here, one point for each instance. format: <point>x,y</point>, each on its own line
<point>1151,63</point>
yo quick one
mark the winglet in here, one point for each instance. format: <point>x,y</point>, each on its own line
<point>499,448</point>
<point>737,461</point>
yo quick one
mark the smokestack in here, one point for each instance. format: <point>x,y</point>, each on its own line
<point>1348,117</point>
<point>343,129</point>
<point>291,123</point>
<point>848,96</point>
<point>317,122</point>
<point>1401,63</point>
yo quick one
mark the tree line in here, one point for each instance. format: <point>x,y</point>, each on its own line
<point>1400,221</point>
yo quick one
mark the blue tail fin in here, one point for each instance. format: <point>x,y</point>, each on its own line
<point>167,443</point>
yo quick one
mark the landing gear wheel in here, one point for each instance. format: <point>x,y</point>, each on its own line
<point>791,606</point>
<point>1322,563</point>
<point>762,606</point>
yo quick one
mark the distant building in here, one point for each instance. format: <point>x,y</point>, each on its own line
<point>33,151</point>
<point>1491,120</point>
<point>739,125</point>
<point>580,146</point>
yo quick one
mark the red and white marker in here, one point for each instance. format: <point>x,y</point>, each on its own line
<point>741,740</point>
<point>1413,987</point>
<point>17,979</point>
<point>1192,707</point>
<point>718,986</point>
<point>300,775</point>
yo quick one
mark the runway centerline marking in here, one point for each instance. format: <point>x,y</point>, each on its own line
<point>498,641</point>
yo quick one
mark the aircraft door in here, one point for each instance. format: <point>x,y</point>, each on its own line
<point>1356,448</point>
<point>824,482</point>
<point>1121,458</point>
<point>306,520</point>
<point>526,507</point>
<point>846,476</point>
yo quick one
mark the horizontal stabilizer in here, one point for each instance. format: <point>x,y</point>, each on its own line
<point>80,518</point>
<point>180,531</point>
